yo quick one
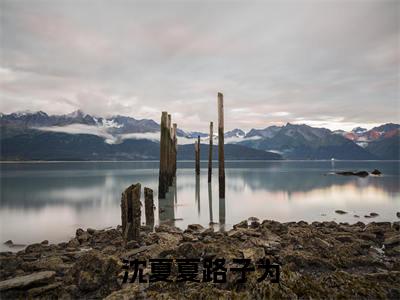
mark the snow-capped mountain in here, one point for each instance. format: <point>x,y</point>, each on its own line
<point>363,137</point>
<point>291,140</point>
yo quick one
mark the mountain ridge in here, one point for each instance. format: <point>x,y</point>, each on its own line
<point>292,141</point>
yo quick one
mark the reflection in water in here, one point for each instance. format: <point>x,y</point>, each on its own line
<point>197,195</point>
<point>210,204</point>
<point>222,214</point>
<point>166,206</point>
<point>50,200</point>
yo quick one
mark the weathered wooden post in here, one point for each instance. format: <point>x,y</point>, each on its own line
<point>149,206</point>
<point>131,213</point>
<point>174,149</point>
<point>221,156</point>
<point>164,141</point>
<point>169,164</point>
<point>210,153</point>
<point>197,156</point>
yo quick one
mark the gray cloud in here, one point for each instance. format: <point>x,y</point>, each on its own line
<point>328,63</point>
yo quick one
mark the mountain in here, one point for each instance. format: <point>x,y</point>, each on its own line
<point>386,148</point>
<point>292,141</point>
<point>268,132</point>
<point>41,145</point>
<point>363,137</point>
<point>306,142</point>
<point>235,133</point>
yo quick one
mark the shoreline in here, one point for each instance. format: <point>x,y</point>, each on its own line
<point>317,260</point>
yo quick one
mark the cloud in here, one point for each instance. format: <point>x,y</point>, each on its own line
<point>274,61</point>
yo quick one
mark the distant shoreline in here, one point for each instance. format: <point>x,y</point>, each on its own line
<point>237,160</point>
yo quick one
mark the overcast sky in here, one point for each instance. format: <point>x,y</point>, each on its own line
<point>325,63</point>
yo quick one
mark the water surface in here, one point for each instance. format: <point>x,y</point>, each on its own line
<point>51,200</point>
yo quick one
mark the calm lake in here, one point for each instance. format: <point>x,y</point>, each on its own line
<point>51,200</point>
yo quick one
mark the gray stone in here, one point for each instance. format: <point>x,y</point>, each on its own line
<point>22,282</point>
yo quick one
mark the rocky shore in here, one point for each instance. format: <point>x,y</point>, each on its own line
<point>322,260</point>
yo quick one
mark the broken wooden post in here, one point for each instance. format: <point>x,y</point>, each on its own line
<point>149,206</point>
<point>221,156</point>
<point>164,141</point>
<point>210,153</point>
<point>131,213</point>
<point>197,156</point>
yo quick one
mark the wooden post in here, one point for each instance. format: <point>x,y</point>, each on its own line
<point>174,148</point>
<point>169,169</point>
<point>149,206</point>
<point>164,141</point>
<point>131,213</point>
<point>210,153</point>
<point>221,156</point>
<point>197,156</point>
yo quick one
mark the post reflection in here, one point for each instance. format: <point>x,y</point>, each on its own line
<point>197,194</point>
<point>222,214</point>
<point>210,204</point>
<point>166,207</point>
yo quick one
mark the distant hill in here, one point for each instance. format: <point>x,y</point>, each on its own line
<point>232,152</point>
<point>39,145</point>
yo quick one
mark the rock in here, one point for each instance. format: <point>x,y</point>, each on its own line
<point>373,215</point>
<point>340,212</point>
<point>242,224</point>
<point>254,224</point>
<point>94,271</point>
<point>83,237</point>
<point>392,241</point>
<point>52,263</point>
<point>356,216</point>
<point>376,172</point>
<point>253,253</point>
<point>167,228</point>
<point>350,173</point>
<point>91,230</point>
<point>396,226</point>
<point>35,292</point>
<point>109,250</point>
<point>34,248</point>
<point>138,250</point>
<point>322,244</point>
<point>187,237</point>
<point>302,223</point>
<point>30,257</point>
<point>398,214</point>
<point>79,232</point>
<point>23,282</point>
<point>344,238</point>
<point>195,227</point>
<point>9,243</point>
<point>132,245</point>
<point>190,250</point>
<point>45,242</point>
<point>74,243</point>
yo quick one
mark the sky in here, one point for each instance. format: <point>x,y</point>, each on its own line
<point>333,64</point>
